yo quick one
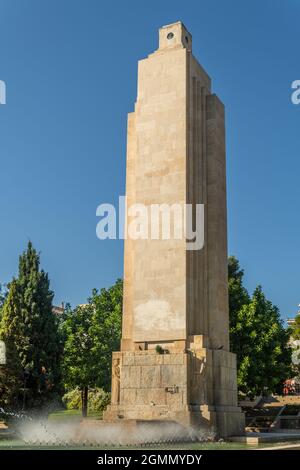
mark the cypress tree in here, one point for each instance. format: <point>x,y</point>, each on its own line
<point>30,328</point>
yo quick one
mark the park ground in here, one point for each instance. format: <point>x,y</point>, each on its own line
<point>74,416</point>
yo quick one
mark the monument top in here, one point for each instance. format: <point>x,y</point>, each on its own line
<point>174,35</point>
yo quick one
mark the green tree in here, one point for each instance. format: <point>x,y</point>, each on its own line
<point>238,297</point>
<point>257,336</point>
<point>3,295</point>
<point>79,363</point>
<point>10,378</point>
<point>107,327</point>
<point>91,333</point>
<point>29,328</point>
<point>295,328</point>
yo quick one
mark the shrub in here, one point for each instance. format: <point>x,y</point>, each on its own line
<point>97,401</point>
<point>159,349</point>
<point>72,399</point>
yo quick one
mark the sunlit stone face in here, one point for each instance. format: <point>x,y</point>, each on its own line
<point>174,363</point>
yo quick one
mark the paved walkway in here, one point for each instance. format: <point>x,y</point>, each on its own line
<point>283,447</point>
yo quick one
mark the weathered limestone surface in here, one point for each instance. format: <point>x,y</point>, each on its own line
<point>173,297</point>
<point>195,387</point>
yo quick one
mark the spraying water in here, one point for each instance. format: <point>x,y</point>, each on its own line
<point>97,433</point>
<point>92,432</point>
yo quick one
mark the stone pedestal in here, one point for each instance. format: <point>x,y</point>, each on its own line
<point>195,387</point>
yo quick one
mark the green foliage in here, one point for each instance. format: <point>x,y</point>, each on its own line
<point>238,298</point>
<point>92,332</point>
<point>238,295</point>
<point>258,338</point>
<point>295,328</point>
<point>79,363</point>
<point>159,349</point>
<point>98,399</point>
<point>29,329</point>
<point>73,399</point>
<point>106,329</point>
<point>10,378</point>
<point>3,295</point>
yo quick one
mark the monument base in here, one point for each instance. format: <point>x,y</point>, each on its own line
<point>195,387</point>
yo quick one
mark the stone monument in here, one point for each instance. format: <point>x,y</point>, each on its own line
<point>175,363</point>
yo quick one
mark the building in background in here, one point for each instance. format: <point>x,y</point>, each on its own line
<point>58,310</point>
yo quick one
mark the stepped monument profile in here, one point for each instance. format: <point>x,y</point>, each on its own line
<point>175,364</point>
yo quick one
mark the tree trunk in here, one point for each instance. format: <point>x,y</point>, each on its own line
<point>84,397</point>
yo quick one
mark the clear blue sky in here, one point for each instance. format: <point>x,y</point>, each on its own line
<point>70,67</point>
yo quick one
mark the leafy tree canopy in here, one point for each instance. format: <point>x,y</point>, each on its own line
<point>91,333</point>
<point>257,336</point>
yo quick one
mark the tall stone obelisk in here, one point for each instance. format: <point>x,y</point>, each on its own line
<point>176,300</point>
